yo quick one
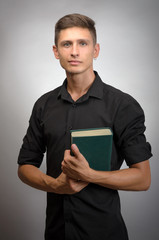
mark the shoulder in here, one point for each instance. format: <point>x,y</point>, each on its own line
<point>120,102</point>
<point>116,93</point>
<point>43,100</point>
<point>118,97</point>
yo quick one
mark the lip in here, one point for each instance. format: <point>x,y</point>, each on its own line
<point>74,62</point>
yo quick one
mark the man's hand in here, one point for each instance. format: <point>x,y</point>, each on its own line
<point>32,176</point>
<point>75,167</point>
<point>66,185</point>
<point>135,178</point>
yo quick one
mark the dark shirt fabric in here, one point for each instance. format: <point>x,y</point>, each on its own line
<point>94,213</point>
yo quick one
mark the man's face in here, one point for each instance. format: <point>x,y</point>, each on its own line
<point>76,50</point>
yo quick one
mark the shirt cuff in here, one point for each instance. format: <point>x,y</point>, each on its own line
<point>28,157</point>
<point>137,153</point>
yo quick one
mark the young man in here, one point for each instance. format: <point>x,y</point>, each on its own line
<point>83,204</point>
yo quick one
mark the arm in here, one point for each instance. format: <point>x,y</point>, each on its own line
<point>135,178</point>
<point>32,176</point>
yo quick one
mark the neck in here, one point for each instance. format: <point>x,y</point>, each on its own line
<point>78,84</point>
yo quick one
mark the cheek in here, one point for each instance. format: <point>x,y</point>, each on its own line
<point>62,60</point>
<point>63,57</point>
<point>89,59</point>
<point>62,63</point>
<point>88,55</point>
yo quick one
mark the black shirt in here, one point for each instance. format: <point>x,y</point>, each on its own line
<point>93,213</point>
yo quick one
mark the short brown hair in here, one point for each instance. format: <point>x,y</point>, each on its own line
<point>75,20</point>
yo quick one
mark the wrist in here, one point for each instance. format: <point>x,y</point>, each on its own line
<point>90,175</point>
<point>97,177</point>
<point>50,183</point>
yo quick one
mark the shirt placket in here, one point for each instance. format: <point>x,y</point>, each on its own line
<point>67,198</point>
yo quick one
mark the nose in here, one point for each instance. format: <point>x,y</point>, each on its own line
<point>75,51</point>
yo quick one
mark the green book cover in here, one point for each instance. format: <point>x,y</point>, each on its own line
<point>95,145</point>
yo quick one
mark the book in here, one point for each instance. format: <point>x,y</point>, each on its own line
<point>95,144</point>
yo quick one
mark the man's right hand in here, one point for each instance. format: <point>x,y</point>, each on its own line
<point>66,185</point>
<point>32,176</point>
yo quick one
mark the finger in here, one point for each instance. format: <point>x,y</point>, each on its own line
<point>64,166</point>
<point>66,153</point>
<point>68,158</point>
<point>75,150</point>
<point>64,170</point>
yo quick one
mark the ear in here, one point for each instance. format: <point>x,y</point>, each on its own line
<point>96,50</point>
<point>55,50</point>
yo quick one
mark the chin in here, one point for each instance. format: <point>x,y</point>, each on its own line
<point>74,71</point>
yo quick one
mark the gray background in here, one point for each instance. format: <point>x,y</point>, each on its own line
<point>129,60</point>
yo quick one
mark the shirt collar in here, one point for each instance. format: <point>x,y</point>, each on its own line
<point>96,90</point>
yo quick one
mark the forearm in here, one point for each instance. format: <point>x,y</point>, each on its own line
<point>136,178</point>
<point>33,177</point>
<point>131,179</point>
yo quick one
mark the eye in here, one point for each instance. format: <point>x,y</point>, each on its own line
<point>83,43</point>
<point>66,44</point>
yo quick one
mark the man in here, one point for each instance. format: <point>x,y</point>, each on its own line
<point>83,204</point>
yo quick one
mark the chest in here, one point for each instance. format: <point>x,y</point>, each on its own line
<point>59,118</point>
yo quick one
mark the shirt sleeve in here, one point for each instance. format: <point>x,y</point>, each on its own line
<point>129,131</point>
<point>33,147</point>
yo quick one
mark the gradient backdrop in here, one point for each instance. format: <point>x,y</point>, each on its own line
<point>128,32</point>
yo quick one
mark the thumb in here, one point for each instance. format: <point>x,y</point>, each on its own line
<point>75,150</point>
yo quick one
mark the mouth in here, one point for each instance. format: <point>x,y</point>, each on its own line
<point>74,62</point>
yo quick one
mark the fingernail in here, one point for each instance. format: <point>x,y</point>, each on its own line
<point>74,146</point>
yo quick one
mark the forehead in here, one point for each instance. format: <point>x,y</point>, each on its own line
<point>75,33</point>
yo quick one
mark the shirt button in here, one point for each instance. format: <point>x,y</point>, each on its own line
<point>74,105</point>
